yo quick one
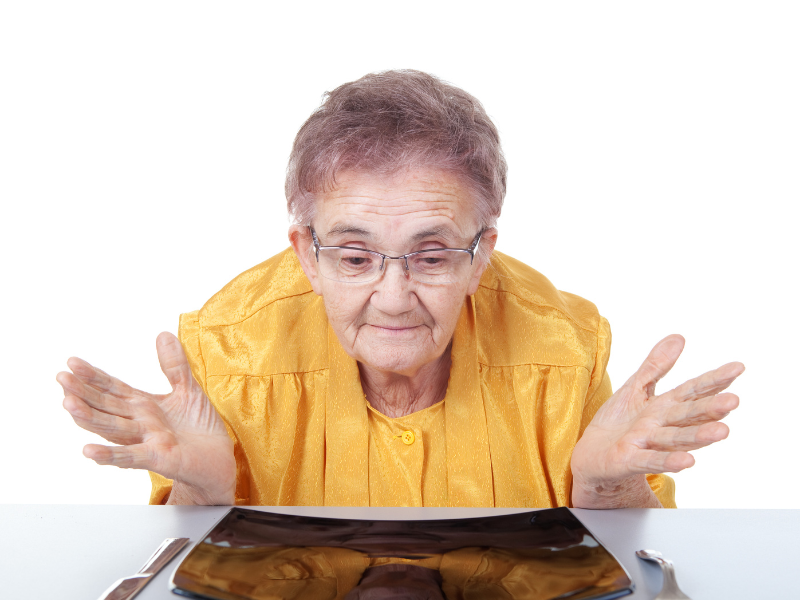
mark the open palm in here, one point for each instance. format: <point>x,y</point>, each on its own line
<point>637,432</point>
<point>178,435</point>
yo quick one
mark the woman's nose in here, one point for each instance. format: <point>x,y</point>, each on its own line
<point>402,267</point>
<point>393,293</point>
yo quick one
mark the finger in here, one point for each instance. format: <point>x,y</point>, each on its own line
<point>115,429</point>
<point>670,439</point>
<point>645,462</point>
<point>92,396</point>
<point>135,456</point>
<point>700,411</point>
<point>707,384</point>
<point>172,359</point>
<point>658,363</point>
<point>99,379</point>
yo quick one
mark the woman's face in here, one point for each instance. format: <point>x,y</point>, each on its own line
<point>394,323</point>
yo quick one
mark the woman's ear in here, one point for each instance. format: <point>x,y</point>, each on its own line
<point>482,256</point>
<point>303,245</point>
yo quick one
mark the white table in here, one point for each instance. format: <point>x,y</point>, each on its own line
<point>77,551</point>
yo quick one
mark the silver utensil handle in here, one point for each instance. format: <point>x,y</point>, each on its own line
<point>126,588</point>
<point>670,583</point>
<point>165,552</point>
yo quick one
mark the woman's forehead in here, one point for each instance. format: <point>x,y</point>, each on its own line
<point>415,206</point>
<point>403,230</point>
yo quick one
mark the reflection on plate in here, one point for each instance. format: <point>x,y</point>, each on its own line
<point>255,555</point>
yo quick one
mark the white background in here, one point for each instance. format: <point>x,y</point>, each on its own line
<point>654,153</point>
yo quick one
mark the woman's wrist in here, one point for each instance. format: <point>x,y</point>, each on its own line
<point>631,492</point>
<point>183,493</point>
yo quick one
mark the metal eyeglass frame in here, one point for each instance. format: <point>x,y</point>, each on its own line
<point>473,247</point>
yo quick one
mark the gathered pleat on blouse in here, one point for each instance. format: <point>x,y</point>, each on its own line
<point>528,373</point>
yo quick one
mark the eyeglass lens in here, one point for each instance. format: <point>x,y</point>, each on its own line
<point>353,265</point>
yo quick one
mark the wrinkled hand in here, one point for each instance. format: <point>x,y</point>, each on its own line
<point>178,435</point>
<point>637,432</point>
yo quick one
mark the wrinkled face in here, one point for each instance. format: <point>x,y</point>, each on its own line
<point>393,323</point>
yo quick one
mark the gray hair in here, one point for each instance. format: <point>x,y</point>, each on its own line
<point>392,121</point>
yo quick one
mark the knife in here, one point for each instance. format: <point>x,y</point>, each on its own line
<point>127,587</point>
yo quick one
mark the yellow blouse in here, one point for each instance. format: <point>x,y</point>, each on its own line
<point>528,374</point>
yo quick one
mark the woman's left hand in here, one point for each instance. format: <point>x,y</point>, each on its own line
<point>638,432</point>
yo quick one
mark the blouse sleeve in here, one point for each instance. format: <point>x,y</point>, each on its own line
<point>663,486</point>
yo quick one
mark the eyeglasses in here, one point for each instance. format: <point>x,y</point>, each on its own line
<point>357,265</point>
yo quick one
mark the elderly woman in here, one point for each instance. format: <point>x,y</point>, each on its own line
<point>390,357</point>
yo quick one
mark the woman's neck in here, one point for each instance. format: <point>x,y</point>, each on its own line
<point>397,395</point>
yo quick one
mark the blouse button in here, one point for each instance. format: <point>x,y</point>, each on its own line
<point>408,437</point>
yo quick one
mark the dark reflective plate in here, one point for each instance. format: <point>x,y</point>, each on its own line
<point>255,555</point>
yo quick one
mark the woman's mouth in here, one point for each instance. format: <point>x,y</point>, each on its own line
<point>394,330</point>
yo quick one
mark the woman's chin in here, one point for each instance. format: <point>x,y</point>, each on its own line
<point>403,359</point>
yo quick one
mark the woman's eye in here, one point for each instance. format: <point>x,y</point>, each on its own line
<point>356,260</point>
<point>431,262</point>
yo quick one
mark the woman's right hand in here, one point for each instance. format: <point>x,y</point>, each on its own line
<point>178,435</point>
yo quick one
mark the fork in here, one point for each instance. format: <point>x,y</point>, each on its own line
<point>670,590</point>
